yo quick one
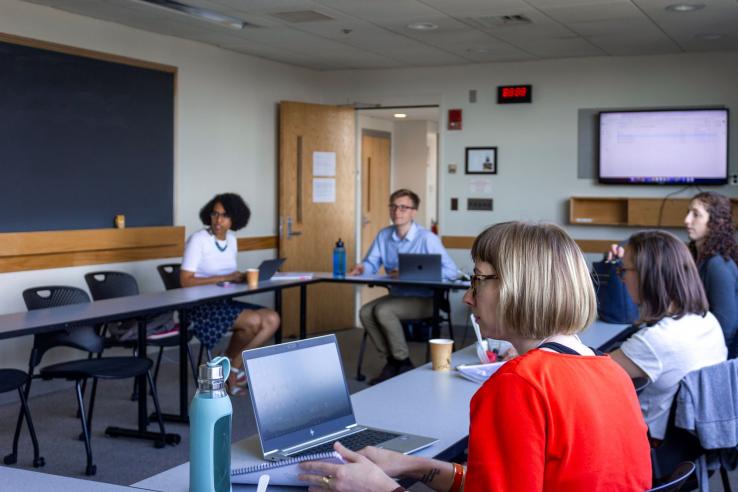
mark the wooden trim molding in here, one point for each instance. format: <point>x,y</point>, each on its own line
<point>457,242</point>
<point>20,251</point>
<point>586,245</point>
<point>255,243</point>
<point>97,55</point>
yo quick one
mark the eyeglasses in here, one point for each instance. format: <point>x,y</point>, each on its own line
<point>214,215</point>
<point>476,279</point>
<point>401,208</point>
<point>620,271</point>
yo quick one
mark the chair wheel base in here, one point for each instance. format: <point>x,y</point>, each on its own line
<point>173,439</point>
<point>39,462</point>
<point>360,377</point>
<point>10,459</point>
<point>91,470</point>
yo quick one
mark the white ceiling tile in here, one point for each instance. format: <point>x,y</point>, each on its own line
<point>595,13</point>
<point>477,8</point>
<point>381,10</point>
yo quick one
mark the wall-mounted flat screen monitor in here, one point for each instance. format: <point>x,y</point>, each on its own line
<point>679,146</point>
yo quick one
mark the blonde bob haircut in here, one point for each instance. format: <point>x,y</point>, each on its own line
<point>545,286</point>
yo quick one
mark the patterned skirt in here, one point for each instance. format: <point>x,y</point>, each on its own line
<point>211,320</point>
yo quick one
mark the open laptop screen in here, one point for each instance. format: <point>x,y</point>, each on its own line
<point>298,391</point>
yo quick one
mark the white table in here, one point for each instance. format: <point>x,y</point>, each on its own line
<point>14,479</point>
<point>421,401</point>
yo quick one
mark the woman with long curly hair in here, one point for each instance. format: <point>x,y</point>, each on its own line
<point>713,246</point>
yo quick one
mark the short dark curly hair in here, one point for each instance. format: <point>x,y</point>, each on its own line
<point>234,206</point>
<point>720,238</point>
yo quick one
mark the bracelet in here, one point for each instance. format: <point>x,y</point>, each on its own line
<point>458,478</point>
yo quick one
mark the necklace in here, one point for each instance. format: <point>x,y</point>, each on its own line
<point>217,244</point>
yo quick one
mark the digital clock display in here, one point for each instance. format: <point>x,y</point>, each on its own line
<point>509,94</point>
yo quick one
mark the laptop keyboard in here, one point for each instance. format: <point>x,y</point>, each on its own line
<point>354,442</point>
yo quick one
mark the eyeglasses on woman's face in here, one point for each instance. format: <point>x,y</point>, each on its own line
<point>216,215</point>
<point>477,279</point>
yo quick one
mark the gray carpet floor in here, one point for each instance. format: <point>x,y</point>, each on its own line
<point>126,461</point>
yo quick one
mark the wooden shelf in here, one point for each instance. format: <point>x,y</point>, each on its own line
<point>631,211</point>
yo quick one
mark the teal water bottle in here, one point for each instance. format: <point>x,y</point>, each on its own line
<point>339,259</point>
<point>210,429</point>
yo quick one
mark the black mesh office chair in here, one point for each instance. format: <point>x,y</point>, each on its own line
<point>109,285</point>
<point>677,479</point>
<point>169,274</point>
<point>13,379</point>
<point>83,338</point>
<point>444,316</point>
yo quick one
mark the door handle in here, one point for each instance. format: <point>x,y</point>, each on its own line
<point>290,232</point>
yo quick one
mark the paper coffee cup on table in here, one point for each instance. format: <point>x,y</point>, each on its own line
<point>440,350</point>
<point>252,277</point>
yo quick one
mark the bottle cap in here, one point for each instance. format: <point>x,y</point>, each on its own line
<point>208,372</point>
<point>339,244</point>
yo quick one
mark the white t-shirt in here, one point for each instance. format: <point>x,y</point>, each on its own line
<point>666,352</point>
<point>203,257</point>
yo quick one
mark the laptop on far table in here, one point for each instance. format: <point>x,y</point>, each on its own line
<point>268,268</point>
<point>302,404</point>
<point>420,267</point>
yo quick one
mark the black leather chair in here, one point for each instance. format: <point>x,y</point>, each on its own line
<point>13,379</point>
<point>87,339</point>
<point>444,316</point>
<point>677,479</point>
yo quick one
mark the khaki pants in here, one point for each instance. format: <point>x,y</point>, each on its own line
<point>382,319</point>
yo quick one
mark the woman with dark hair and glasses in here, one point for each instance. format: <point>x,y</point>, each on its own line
<point>558,417</point>
<point>713,246</point>
<point>209,258</point>
<point>678,333</point>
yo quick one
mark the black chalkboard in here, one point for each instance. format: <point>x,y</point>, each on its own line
<point>82,140</point>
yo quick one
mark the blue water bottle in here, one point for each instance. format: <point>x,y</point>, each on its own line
<point>210,429</point>
<point>339,259</point>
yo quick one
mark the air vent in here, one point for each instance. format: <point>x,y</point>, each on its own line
<point>491,22</point>
<point>300,16</point>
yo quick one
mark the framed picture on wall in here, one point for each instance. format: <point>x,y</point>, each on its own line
<point>481,160</point>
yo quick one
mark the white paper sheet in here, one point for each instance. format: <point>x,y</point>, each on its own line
<point>324,164</point>
<point>324,190</point>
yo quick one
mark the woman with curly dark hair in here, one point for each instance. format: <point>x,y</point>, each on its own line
<point>713,246</point>
<point>209,258</point>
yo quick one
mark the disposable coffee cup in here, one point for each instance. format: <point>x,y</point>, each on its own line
<point>252,277</point>
<point>440,350</point>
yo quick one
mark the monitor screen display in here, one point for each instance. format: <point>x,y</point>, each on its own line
<point>683,146</point>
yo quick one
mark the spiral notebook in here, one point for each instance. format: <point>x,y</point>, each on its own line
<point>283,472</point>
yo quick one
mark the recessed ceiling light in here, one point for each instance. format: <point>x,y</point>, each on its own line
<point>685,7</point>
<point>422,26</point>
<point>400,115</point>
<point>709,36</point>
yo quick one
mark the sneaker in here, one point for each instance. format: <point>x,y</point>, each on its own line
<point>388,371</point>
<point>404,366</point>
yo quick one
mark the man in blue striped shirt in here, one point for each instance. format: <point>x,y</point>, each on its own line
<point>382,318</point>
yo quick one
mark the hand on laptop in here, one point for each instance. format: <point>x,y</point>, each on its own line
<point>357,269</point>
<point>359,474</point>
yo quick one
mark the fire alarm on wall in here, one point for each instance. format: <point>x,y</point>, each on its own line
<point>454,119</point>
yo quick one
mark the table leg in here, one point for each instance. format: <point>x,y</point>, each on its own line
<point>303,311</point>
<point>140,432</point>
<point>278,309</point>
<point>435,326</point>
<point>183,416</point>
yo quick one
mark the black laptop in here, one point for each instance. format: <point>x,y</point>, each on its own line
<point>420,267</point>
<point>268,268</point>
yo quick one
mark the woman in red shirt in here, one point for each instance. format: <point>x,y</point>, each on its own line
<point>558,417</point>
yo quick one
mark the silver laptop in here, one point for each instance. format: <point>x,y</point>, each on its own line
<point>302,405</point>
<point>420,267</point>
<point>268,268</point>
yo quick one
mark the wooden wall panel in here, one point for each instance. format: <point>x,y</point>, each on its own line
<point>255,243</point>
<point>21,251</point>
<point>586,245</point>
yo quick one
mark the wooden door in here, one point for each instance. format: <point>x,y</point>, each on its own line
<point>310,229</point>
<point>375,191</point>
